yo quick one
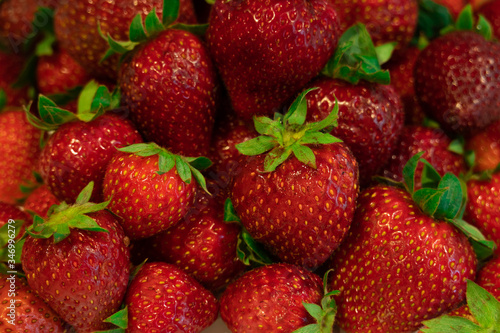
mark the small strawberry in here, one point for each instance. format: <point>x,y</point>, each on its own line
<point>486,147</point>
<point>298,199</point>
<point>78,262</point>
<point>163,298</point>
<point>457,78</point>
<point>401,262</point>
<point>39,201</point>
<point>23,311</point>
<point>147,191</point>
<point>267,50</point>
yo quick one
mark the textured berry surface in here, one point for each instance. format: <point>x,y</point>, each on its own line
<point>39,201</point>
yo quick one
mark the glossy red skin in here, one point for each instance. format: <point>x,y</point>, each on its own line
<point>370,119</point>
<point>491,11</point>
<point>83,277</point>
<point>398,266</point>
<point>170,87</point>
<point>482,207</point>
<point>39,201</point>
<point>76,28</point>
<point>19,152</point>
<point>300,214</point>
<point>457,81</point>
<point>269,299</point>
<point>203,245</point>
<point>262,74</point>
<point>31,313</point>
<point>147,202</point>
<point>12,65</point>
<point>434,142</point>
<point>163,298</point>
<point>486,147</point>
<point>58,73</point>
<point>386,20</point>
<point>78,152</point>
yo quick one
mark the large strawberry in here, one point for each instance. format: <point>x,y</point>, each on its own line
<point>267,50</point>
<point>457,78</point>
<point>163,298</point>
<point>297,199</point>
<point>78,261</point>
<point>79,24</point>
<point>83,143</point>
<point>147,191</point>
<point>401,262</point>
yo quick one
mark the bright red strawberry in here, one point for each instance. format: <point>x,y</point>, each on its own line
<point>299,198</point>
<point>457,80</point>
<point>12,65</point>
<point>434,143</point>
<point>386,20</point>
<point>78,262</point>
<point>163,298</point>
<point>267,50</point>
<point>203,245</point>
<point>491,11</point>
<point>486,147</point>
<point>270,299</point>
<point>39,201</point>
<point>19,152</point>
<point>147,191</point>
<point>482,207</point>
<point>77,23</point>
<point>400,266</point>
<point>23,311</point>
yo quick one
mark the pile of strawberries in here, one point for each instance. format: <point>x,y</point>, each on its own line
<point>284,165</point>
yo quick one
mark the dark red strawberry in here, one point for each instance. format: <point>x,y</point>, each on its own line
<point>486,147</point>
<point>491,11</point>
<point>23,311</point>
<point>163,298</point>
<point>16,18</point>
<point>39,201</point>
<point>19,152</point>
<point>298,199</point>
<point>78,262</point>
<point>12,66</point>
<point>457,79</point>
<point>400,266</point>
<point>147,191</point>
<point>267,50</point>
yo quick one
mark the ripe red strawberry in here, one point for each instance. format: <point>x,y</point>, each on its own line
<point>486,147</point>
<point>299,206</point>
<point>76,25</point>
<point>12,65</point>
<point>203,245</point>
<point>491,11</point>
<point>400,266</point>
<point>270,299</point>
<point>78,262</point>
<point>267,50</point>
<point>147,191</point>
<point>39,201</point>
<point>16,18</point>
<point>19,151</point>
<point>457,80</point>
<point>482,207</point>
<point>163,298</point>
<point>23,311</point>
<point>386,20</point>
<point>434,143</point>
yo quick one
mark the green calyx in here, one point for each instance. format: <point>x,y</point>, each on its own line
<point>356,58</point>
<point>64,217</point>
<point>432,18</point>
<point>3,99</point>
<point>324,314</point>
<point>187,167</point>
<point>93,101</point>
<point>484,307</point>
<point>10,247</point>
<point>467,22</point>
<point>140,31</point>
<point>119,319</point>
<point>249,251</point>
<point>289,134</point>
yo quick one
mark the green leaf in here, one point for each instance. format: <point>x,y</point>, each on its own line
<point>483,249</point>
<point>256,146</point>
<point>265,125</point>
<point>428,199</point>
<point>45,46</point>
<point>314,310</point>
<point>85,194</point>
<point>432,18</point>
<point>251,252</point>
<point>196,29</point>
<point>230,214</point>
<point>183,169</point>
<point>384,52</point>
<point>84,222</point>
<point>451,200</point>
<point>296,114</point>
<point>170,11</point>
<point>3,99</point>
<point>153,23</point>
<point>448,324</point>
<point>142,149</point>
<point>276,157</point>
<point>200,179</point>
<point>409,172</point>
<point>51,115</point>
<point>119,318</point>
<point>305,155</point>
<point>200,163</point>
<point>136,31</point>
<point>311,328</point>
<point>328,123</point>
<point>457,146</point>
<point>87,96</point>
<point>430,176</point>
<point>484,28</point>
<point>483,306</point>
<point>166,162</point>
<point>319,138</point>
<point>465,20</point>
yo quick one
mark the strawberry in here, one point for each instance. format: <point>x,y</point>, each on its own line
<point>39,201</point>
<point>267,50</point>
<point>271,299</point>
<point>386,20</point>
<point>78,262</point>
<point>147,191</point>
<point>299,198</point>
<point>78,26</point>
<point>457,78</point>
<point>12,66</point>
<point>486,147</point>
<point>19,152</point>
<point>491,11</point>
<point>163,298</point>
<point>23,311</point>
<point>13,222</point>
<point>402,263</point>
<point>83,143</point>
<point>16,18</point>
<point>435,145</point>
